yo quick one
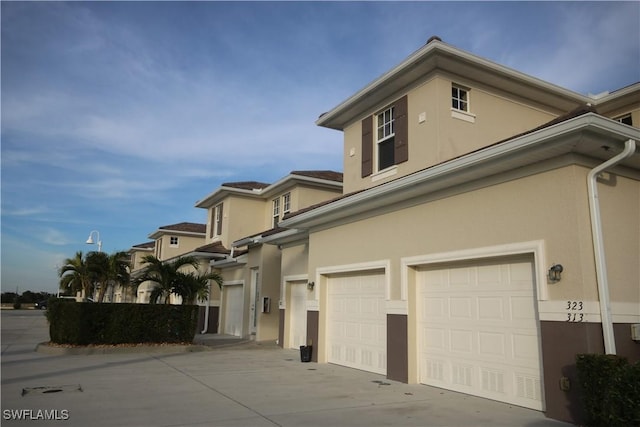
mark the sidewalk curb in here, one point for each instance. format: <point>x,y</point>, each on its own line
<point>47,348</point>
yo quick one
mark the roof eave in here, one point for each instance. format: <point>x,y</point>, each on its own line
<point>472,163</point>
<point>424,61</point>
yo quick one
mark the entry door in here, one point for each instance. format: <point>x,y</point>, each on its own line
<point>233,308</point>
<point>254,303</point>
<point>478,330</point>
<point>298,314</point>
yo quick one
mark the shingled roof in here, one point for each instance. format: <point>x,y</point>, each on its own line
<point>246,185</point>
<point>321,174</point>
<point>147,245</point>
<point>189,227</point>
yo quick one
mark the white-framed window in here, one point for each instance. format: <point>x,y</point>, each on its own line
<point>626,119</point>
<point>459,98</point>
<point>173,241</point>
<point>286,203</point>
<point>276,211</point>
<point>385,138</point>
<point>217,222</point>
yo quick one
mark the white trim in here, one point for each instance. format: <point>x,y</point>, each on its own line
<point>282,302</point>
<point>535,247</point>
<point>564,311</point>
<point>384,173</point>
<point>463,115</point>
<point>397,307</point>
<point>354,268</point>
<point>313,305</point>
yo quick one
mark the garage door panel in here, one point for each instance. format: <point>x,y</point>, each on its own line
<point>479,331</point>
<point>357,322</point>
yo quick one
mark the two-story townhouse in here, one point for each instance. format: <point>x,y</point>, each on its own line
<point>170,241</point>
<point>489,231</point>
<point>239,213</point>
<point>136,255</point>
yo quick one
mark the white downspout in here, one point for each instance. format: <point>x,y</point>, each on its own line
<point>206,312</point>
<point>598,245</point>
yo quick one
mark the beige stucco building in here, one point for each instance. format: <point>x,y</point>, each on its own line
<point>488,232</point>
<point>240,214</point>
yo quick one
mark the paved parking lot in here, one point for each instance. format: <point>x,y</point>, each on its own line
<point>243,385</point>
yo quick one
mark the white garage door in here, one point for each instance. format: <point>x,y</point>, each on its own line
<point>298,315</point>
<point>478,331</point>
<point>357,322</point>
<point>233,307</point>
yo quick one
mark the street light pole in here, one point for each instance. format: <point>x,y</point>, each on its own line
<point>91,242</point>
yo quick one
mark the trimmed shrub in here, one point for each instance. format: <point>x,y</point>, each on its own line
<point>94,323</point>
<point>610,390</point>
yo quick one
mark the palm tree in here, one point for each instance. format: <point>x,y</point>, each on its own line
<point>76,276</point>
<point>108,270</point>
<point>192,286</point>
<point>166,275</point>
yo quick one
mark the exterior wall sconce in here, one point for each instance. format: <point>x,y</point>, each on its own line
<point>310,285</point>
<point>554,273</point>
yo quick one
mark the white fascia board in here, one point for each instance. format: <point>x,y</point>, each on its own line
<point>286,236</point>
<point>433,48</point>
<point>161,232</point>
<point>218,194</point>
<point>382,195</point>
<point>292,179</point>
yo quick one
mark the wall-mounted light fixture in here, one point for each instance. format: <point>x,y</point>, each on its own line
<point>310,285</point>
<point>554,273</point>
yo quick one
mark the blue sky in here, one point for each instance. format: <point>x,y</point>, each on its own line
<point>119,116</point>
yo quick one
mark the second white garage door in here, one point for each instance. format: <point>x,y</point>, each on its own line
<point>357,322</point>
<point>233,307</point>
<point>478,330</point>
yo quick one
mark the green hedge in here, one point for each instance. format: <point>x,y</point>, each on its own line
<point>610,390</point>
<point>94,323</point>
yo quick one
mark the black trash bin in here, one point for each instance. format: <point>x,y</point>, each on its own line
<point>305,353</point>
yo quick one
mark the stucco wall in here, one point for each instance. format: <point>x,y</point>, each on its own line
<point>551,206</point>
<point>442,137</point>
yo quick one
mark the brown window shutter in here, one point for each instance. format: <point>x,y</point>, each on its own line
<point>367,146</point>
<point>401,128</point>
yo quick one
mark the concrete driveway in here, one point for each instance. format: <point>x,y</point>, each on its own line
<point>243,385</point>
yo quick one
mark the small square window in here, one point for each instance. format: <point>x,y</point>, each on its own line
<point>173,241</point>
<point>459,98</point>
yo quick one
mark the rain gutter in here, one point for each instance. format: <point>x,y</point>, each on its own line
<point>598,244</point>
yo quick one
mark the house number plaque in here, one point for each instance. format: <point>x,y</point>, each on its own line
<point>574,311</point>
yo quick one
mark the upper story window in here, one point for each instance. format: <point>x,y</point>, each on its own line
<point>459,98</point>
<point>216,223</point>
<point>385,138</point>
<point>390,146</point>
<point>286,203</point>
<point>276,211</point>
<point>626,119</point>
<point>173,241</point>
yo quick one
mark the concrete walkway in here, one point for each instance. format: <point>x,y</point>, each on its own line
<point>245,384</point>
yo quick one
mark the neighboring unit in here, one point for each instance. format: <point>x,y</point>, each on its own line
<point>240,214</point>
